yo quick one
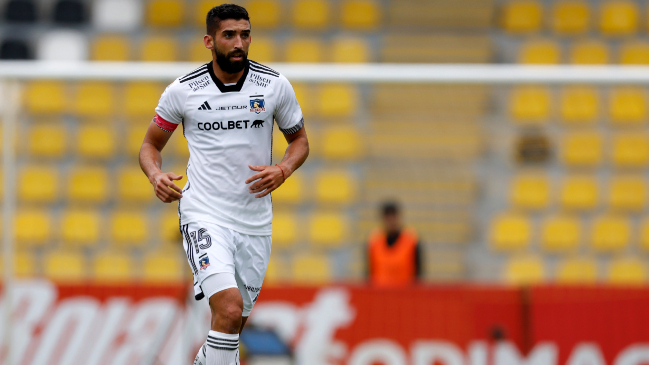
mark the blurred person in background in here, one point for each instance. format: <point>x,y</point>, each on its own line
<point>393,256</point>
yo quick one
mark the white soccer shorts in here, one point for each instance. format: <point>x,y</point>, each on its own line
<point>213,249</point>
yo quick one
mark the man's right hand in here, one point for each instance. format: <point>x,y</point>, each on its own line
<point>164,187</point>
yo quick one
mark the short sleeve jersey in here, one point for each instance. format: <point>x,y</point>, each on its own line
<point>228,127</point>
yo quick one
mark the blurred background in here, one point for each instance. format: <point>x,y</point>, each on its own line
<point>525,184</point>
<point>522,183</point>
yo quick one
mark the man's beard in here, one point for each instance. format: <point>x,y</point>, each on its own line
<point>229,66</point>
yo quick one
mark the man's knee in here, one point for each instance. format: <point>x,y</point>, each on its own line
<point>227,309</point>
<point>230,312</point>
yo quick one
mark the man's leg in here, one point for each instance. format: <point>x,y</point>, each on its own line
<point>243,323</point>
<point>222,346</point>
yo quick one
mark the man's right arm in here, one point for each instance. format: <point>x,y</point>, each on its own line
<point>151,164</point>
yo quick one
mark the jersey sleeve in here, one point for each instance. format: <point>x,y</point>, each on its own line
<point>169,112</point>
<point>288,114</point>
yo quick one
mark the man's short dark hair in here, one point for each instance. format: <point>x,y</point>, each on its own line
<point>389,208</point>
<point>223,12</point>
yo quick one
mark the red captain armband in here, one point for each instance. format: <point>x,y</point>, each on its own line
<point>164,125</point>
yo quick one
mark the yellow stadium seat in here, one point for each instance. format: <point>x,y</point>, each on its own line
<point>198,53</point>
<point>279,145</point>
<point>582,149</point>
<point>141,98</point>
<point>33,226</point>
<point>576,271</point>
<point>25,263</point>
<point>134,138</point>
<point>112,267</point>
<point>634,53</point>
<point>45,97</point>
<point>525,270</point>
<point>560,233</point>
<point>65,266</point>
<point>96,141</point>
<point>94,98</point>
<point>530,192</point>
<point>610,233</point>
<point>88,184</point>
<point>284,229</point>
<point>619,18</point>
<point>337,100</point>
<point>522,16</point>
<point>47,140</point>
<point>263,50</point>
<point>81,227</point>
<point>341,143</point>
<point>360,14</point>
<point>304,96</point>
<point>334,187</point>
<point>304,50</point>
<point>200,11</point>
<point>129,228</point>
<point>291,191</point>
<point>627,193</point>
<point>159,49</point>
<point>631,150</point>
<point>110,48</point>
<point>540,52</point>
<point>510,232</point>
<point>570,17</point>
<point>163,268</point>
<point>178,143</point>
<point>311,269</point>
<point>170,226</point>
<point>38,184</point>
<point>579,104</point>
<point>589,52</point>
<point>266,13</point>
<point>133,186</point>
<point>579,193</point>
<point>627,271</point>
<point>310,14</point>
<point>166,13</point>
<point>327,229</point>
<point>350,50</point>
<point>644,234</point>
<point>274,272</point>
<point>628,105</point>
<point>530,104</point>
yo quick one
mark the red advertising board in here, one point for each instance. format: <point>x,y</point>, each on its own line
<point>336,325</point>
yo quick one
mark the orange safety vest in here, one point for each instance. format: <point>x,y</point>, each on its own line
<point>393,265</point>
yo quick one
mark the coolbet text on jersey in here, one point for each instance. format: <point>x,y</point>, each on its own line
<point>228,127</point>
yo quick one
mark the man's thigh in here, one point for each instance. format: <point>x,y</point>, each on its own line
<point>251,261</point>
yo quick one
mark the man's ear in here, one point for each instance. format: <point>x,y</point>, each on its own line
<point>208,40</point>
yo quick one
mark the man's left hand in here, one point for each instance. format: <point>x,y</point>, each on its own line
<point>269,179</point>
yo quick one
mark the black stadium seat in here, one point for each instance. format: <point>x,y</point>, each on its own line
<point>11,49</point>
<point>69,12</point>
<point>20,11</point>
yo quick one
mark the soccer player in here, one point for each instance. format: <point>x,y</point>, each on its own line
<point>227,108</point>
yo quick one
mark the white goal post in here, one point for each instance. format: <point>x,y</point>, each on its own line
<point>12,73</point>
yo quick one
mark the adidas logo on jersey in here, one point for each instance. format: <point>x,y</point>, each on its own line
<point>205,106</point>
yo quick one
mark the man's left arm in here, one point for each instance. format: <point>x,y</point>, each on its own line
<point>418,260</point>
<point>271,177</point>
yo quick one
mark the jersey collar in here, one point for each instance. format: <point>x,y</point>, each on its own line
<point>232,88</point>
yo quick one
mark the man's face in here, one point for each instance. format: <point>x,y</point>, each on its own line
<point>391,222</point>
<point>231,43</point>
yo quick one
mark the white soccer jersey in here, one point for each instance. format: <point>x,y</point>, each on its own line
<point>228,127</point>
